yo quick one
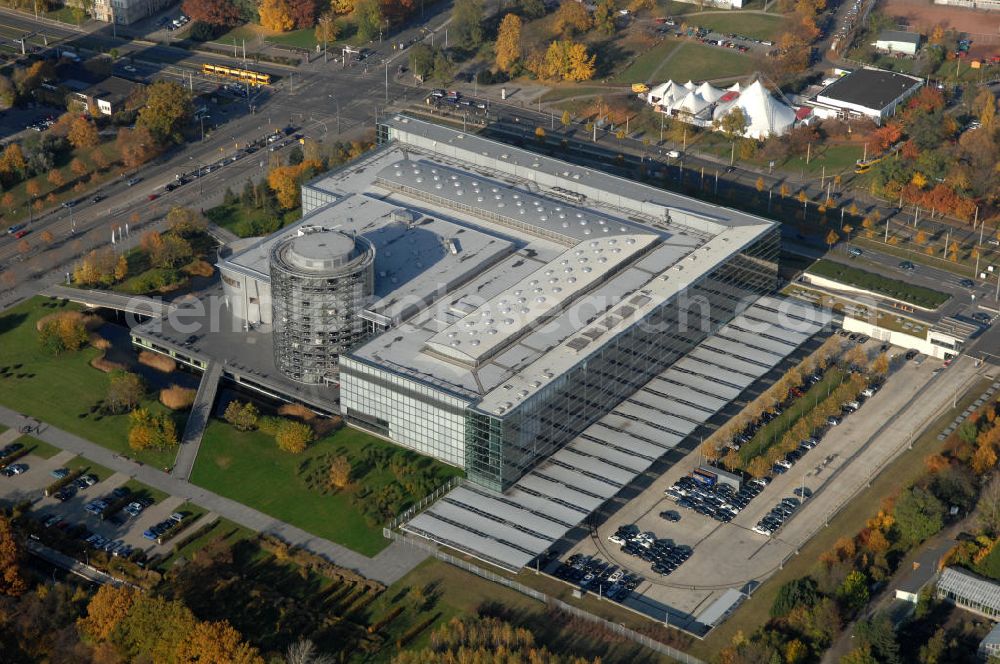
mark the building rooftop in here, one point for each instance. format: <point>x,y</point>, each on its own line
<point>870,88</point>
<point>969,588</point>
<point>899,36</point>
<point>112,88</point>
<point>492,261</point>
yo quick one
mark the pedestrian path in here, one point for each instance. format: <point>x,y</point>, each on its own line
<point>197,420</point>
<point>388,566</point>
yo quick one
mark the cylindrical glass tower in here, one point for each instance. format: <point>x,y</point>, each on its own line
<point>320,281</point>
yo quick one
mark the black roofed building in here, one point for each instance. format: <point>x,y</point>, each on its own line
<point>871,93</point>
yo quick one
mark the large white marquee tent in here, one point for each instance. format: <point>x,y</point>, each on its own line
<point>705,104</point>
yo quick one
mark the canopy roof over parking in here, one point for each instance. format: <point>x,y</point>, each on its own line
<point>510,529</point>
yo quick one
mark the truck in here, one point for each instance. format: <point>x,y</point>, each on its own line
<point>640,88</point>
<point>712,476</point>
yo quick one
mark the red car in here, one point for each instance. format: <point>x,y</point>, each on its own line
<point>22,233</point>
<point>153,197</point>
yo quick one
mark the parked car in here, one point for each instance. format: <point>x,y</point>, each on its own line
<point>14,469</point>
<point>59,473</point>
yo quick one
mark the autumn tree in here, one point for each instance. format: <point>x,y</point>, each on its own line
<point>148,431</point>
<point>467,23</point>
<point>135,146</point>
<point>213,12</point>
<point>56,178</point>
<point>340,472</point>
<point>12,163</point>
<point>216,643</point>
<point>48,237</point>
<point>106,609</point>
<point>276,15</point>
<point>242,415</point>
<point>887,135</point>
<point>571,19</point>
<point>567,60</point>
<point>368,18</point>
<point>83,133</point>
<point>169,108</point>
<point>293,436</point>
<point>508,44</point>
<point>185,221</point>
<point>985,108</point>
<point>78,168</point>
<point>832,238</point>
<point>327,28</point>
<point>125,392</point>
<point>733,124</point>
<point>604,16</point>
<point>11,582</point>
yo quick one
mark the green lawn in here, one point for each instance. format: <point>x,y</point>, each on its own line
<point>771,433</point>
<point>876,283</point>
<point>643,67</point>
<point>561,93</point>
<point>64,391</point>
<point>697,62</point>
<point>304,38</point>
<point>249,467</point>
<point>63,14</point>
<point>89,467</point>
<point>248,32</point>
<point>837,158</point>
<point>250,222</point>
<point>759,26</point>
<point>39,448</point>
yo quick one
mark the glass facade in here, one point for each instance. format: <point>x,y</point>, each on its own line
<point>409,412</point>
<point>499,450</point>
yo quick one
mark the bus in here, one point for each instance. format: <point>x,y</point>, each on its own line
<point>247,76</point>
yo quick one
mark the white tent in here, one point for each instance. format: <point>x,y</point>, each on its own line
<point>709,92</point>
<point>690,85</point>
<point>766,116</point>
<point>692,103</point>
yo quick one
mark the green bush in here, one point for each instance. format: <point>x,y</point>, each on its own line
<point>154,279</point>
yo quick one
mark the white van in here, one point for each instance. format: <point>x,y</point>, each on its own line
<point>673,154</point>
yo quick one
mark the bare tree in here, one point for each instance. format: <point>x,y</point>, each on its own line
<point>988,507</point>
<point>304,651</point>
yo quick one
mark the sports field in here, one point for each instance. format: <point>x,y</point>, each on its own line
<point>983,27</point>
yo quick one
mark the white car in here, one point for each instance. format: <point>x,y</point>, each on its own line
<point>762,530</point>
<point>784,463</point>
<point>616,539</point>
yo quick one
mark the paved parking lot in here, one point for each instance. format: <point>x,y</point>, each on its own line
<point>31,486</point>
<point>731,555</point>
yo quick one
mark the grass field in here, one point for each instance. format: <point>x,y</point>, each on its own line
<point>89,467</point>
<point>759,26</point>
<point>902,472</point>
<point>230,532</point>
<point>697,62</point>
<point>64,391</point>
<point>304,38</point>
<point>250,222</point>
<point>876,283</point>
<point>836,158</point>
<point>559,94</point>
<point>249,467</point>
<point>644,67</point>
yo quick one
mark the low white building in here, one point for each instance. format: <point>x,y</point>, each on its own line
<point>865,93</point>
<point>986,5</point>
<point>897,41</point>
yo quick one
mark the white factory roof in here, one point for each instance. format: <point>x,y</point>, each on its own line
<point>494,323</point>
<point>512,528</point>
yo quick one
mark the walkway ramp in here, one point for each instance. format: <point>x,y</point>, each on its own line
<point>133,304</point>
<point>201,411</point>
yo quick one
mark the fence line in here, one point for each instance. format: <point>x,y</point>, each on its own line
<point>412,511</point>
<point>616,628</point>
